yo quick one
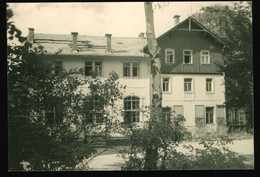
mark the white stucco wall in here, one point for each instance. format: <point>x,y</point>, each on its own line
<point>198,96</point>
<point>139,87</point>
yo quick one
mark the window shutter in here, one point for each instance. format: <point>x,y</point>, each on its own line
<point>242,116</point>
<point>230,117</point>
<point>200,111</point>
<point>220,114</point>
<point>200,116</point>
<point>178,109</point>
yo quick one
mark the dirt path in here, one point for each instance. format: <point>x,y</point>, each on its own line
<point>114,162</point>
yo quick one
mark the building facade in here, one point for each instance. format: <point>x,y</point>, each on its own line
<point>191,83</point>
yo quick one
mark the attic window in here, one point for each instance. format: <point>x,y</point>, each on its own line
<point>169,56</point>
<point>205,57</point>
<point>187,56</point>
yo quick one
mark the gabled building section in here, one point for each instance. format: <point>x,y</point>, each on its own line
<point>190,24</point>
<point>189,47</point>
<point>192,84</point>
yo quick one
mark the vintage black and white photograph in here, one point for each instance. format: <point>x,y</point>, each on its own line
<point>130,86</point>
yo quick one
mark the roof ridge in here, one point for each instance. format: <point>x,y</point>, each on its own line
<point>89,35</point>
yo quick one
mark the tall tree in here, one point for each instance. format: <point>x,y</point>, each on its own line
<point>154,52</point>
<point>233,25</point>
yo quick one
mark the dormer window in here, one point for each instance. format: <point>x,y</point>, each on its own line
<point>187,56</point>
<point>169,56</point>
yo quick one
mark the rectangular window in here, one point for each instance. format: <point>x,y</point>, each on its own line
<point>126,70</point>
<point>135,69</point>
<point>58,67</point>
<point>54,114</point>
<point>166,84</point>
<point>169,56</point>
<point>93,66</point>
<point>166,114</point>
<point>209,85</point>
<point>88,68</point>
<point>187,56</point>
<point>205,57</point>
<point>209,115</point>
<point>187,85</point>
<point>98,68</point>
<point>131,69</point>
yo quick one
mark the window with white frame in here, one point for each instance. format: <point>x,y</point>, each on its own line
<point>187,84</point>
<point>98,68</point>
<point>131,69</point>
<point>187,56</point>
<point>205,57</point>
<point>135,69</point>
<point>209,115</point>
<point>93,66</point>
<point>209,85</point>
<point>131,109</point>
<point>169,56</point>
<point>166,85</point>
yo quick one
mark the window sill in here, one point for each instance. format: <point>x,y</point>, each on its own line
<point>209,92</point>
<point>166,92</point>
<point>207,64</point>
<point>187,64</point>
<point>188,92</point>
<point>125,77</point>
<point>169,63</point>
<point>99,77</point>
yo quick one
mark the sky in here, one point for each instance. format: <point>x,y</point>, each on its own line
<point>121,19</point>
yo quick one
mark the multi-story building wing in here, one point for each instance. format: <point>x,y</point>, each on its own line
<point>192,84</point>
<point>122,55</point>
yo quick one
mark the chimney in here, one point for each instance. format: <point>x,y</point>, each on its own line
<point>108,36</point>
<point>176,19</point>
<point>141,35</point>
<point>74,41</point>
<point>30,37</point>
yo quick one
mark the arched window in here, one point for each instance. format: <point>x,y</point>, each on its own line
<point>131,109</point>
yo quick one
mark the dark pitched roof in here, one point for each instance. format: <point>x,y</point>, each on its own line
<point>198,26</point>
<point>90,45</point>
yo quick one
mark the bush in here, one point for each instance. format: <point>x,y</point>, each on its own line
<point>213,156</point>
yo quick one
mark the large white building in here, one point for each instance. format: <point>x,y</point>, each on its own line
<point>191,83</point>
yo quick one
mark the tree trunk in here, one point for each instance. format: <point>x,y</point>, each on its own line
<point>151,155</point>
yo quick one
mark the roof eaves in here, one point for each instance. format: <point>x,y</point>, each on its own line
<point>172,28</point>
<point>207,30</point>
<point>190,17</point>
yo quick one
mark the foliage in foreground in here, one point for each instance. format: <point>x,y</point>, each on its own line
<point>164,131</point>
<point>48,113</point>
<point>214,155</point>
<point>167,135</point>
